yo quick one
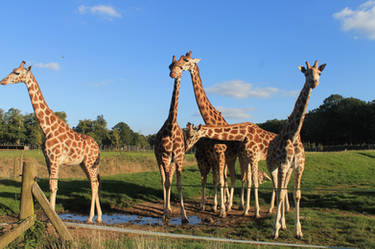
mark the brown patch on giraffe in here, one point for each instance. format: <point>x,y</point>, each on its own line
<point>53,119</point>
<point>50,143</point>
<point>62,137</point>
<point>251,129</point>
<point>61,129</point>
<point>68,142</point>
<point>239,137</point>
<point>209,132</point>
<point>257,139</point>
<point>218,130</point>
<point>224,136</point>
<point>70,135</point>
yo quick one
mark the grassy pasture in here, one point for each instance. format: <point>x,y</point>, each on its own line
<point>337,207</point>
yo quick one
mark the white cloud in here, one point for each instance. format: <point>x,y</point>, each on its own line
<point>103,10</point>
<point>51,65</point>
<point>360,20</point>
<point>235,113</point>
<point>240,90</point>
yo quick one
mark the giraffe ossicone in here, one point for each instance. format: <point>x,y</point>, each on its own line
<point>62,145</point>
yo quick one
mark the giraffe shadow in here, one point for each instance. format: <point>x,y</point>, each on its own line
<point>366,154</point>
<point>75,195</point>
<point>358,201</point>
<point>12,183</point>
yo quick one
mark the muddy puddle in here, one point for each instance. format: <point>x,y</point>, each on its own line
<point>133,219</point>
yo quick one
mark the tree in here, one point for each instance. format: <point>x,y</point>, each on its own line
<point>34,134</point>
<point>61,115</point>
<point>126,134</point>
<point>14,127</point>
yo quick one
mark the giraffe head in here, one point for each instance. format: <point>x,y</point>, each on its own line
<point>192,135</point>
<point>186,62</point>
<point>19,74</point>
<point>312,73</point>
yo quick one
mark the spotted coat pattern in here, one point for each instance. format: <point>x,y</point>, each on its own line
<point>286,154</point>
<point>169,149</point>
<point>62,145</point>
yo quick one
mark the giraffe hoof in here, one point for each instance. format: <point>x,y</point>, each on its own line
<point>99,221</point>
<point>184,220</point>
<point>299,236</point>
<point>246,213</point>
<point>258,216</point>
<point>89,222</point>
<point>223,215</point>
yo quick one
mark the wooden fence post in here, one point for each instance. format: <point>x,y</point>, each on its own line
<point>7,238</point>
<point>28,179</point>
<point>53,217</point>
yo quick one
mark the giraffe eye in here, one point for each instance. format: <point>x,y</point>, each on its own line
<point>16,73</point>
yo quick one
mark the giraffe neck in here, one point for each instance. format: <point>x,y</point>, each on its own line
<point>210,115</point>
<point>174,102</point>
<point>48,121</point>
<point>296,118</point>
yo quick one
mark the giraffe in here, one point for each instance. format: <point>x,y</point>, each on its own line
<point>170,147</point>
<point>255,142</point>
<point>210,153</point>
<point>62,145</point>
<point>285,155</point>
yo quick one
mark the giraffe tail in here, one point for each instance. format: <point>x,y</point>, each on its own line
<point>96,164</point>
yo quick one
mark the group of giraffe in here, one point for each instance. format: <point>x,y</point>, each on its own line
<point>218,145</point>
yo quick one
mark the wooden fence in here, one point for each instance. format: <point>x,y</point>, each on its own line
<point>30,190</point>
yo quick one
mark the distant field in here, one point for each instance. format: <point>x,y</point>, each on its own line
<point>110,163</point>
<point>337,207</point>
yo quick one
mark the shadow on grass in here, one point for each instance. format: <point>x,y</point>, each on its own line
<point>75,195</point>
<point>366,154</point>
<point>357,201</point>
<point>8,182</point>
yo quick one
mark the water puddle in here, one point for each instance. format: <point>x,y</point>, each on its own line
<point>134,219</point>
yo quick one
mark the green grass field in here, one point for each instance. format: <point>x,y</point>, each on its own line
<point>337,207</point>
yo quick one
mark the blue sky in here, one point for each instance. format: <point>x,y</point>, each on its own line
<point>112,57</point>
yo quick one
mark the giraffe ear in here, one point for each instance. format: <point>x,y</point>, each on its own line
<point>302,69</point>
<point>196,60</point>
<point>321,67</point>
<point>29,68</point>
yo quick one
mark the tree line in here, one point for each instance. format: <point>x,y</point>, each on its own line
<point>338,121</point>
<point>16,129</point>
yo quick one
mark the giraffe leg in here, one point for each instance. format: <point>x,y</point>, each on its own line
<point>204,169</point>
<point>299,168</point>
<point>244,176</point>
<point>287,205</point>
<point>94,195</point>
<point>248,193</point>
<point>166,211</point>
<point>232,172</point>
<point>254,173</point>
<point>222,195</point>
<point>203,198</point>
<point>215,180</point>
<point>280,200</point>
<point>90,167</point>
<point>274,184</point>
<point>184,218</point>
<point>53,183</point>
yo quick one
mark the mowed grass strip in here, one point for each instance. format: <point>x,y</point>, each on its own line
<point>338,199</point>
